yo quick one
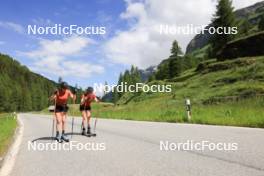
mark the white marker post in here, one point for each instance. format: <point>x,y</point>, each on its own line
<point>188,108</point>
<point>14,115</point>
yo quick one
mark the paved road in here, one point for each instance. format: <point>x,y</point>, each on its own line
<point>133,148</point>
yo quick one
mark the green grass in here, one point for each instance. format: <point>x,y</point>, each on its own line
<point>245,113</point>
<point>248,112</point>
<point>7,128</point>
<point>216,81</point>
<point>222,93</point>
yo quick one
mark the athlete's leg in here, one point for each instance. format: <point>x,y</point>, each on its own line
<point>58,125</point>
<point>63,121</point>
<point>83,121</point>
<point>88,115</point>
<point>64,137</point>
<point>58,121</point>
<point>84,118</point>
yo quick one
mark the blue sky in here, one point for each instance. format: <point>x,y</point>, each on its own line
<point>82,13</point>
<point>131,36</point>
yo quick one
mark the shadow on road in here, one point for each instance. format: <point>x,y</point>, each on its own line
<point>44,139</point>
<point>53,138</point>
<point>74,134</point>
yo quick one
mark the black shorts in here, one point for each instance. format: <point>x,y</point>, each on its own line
<point>85,108</point>
<point>61,108</point>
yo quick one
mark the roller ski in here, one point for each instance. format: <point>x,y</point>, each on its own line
<point>88,133</point>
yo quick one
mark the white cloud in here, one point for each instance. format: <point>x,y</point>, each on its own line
<point>142,44</point>
<point>65,47</point>
<point>244,3</point>
<point>42,21</point>
<point>13,26</point>
<point>52,57</point>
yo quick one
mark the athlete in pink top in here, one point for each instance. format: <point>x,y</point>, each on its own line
<point>85,107</point>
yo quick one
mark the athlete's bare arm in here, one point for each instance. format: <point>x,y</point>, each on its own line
<point>96,100</point>
<point>52,97</point>
<point>73,96</point>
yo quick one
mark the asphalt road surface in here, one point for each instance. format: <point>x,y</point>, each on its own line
<point>133,148</point>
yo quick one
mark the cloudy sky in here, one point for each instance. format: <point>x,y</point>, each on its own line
<point>131,34</point>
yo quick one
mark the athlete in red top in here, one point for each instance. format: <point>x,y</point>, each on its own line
<point>60,98</point>
<point>85,107</point>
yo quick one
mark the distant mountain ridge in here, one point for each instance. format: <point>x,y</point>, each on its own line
<point>251,13</point>
<point>145,74</point>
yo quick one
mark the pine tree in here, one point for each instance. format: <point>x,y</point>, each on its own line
<point>245,27</point>
<point>224,17</point>
<point>22,90</point>
<point>151,78</point>
<point>163,72</point>
<point>105,88</point>
<point>175,49</point>
<point>127,78</point>
<point>174,65</point>
<point>134,75</point>
<point>3,98</point>
<point>115,96</point>
<point>261,23</point>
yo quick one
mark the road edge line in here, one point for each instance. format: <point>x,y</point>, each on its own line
<point>10,157</point>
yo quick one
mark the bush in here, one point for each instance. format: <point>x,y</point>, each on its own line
<point>247,46</point>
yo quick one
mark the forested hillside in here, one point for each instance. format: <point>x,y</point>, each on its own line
<point>21,89</point>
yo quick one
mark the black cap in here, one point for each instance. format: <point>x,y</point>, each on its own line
<point>63,85</point>
<point>89,90</point>
<point>74,91</point>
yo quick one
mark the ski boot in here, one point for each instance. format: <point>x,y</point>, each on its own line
<point>64,137</point>
<point>58,137</point>
<point>83,131</point>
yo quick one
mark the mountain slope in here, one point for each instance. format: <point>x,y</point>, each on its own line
<point>224,93</point>
<point>21,89</point>
<point>145,74</point>
<point>251,14</point>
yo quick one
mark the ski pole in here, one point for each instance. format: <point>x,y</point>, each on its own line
<point>81,126</point>
<point>73,117</point>
<point>52,133</point>
<point>95,122</point>
<point>72,126</point>
<point>53,121</point>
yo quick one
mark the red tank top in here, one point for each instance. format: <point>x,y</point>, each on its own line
<point>89,99</point>
<point>62,97</point>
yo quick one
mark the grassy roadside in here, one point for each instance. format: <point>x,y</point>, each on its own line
<point>245,113</point>
<point>7,128</point>
<point>222,93</point>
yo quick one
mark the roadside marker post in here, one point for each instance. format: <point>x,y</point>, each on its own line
<point>188,109</point>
